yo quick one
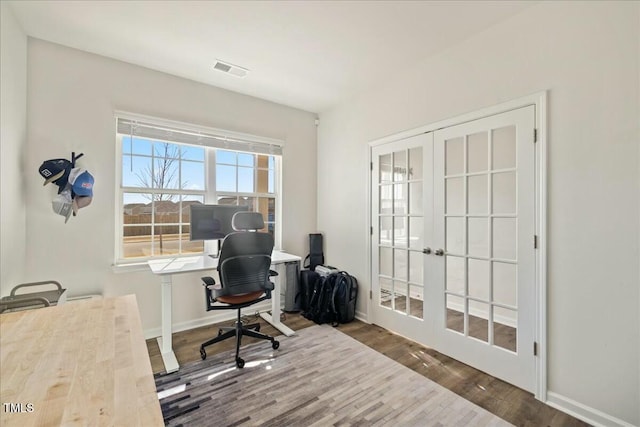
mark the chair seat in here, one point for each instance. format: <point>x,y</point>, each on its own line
<point>240,299</point>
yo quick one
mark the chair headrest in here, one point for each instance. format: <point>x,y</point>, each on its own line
<point>243,221</point>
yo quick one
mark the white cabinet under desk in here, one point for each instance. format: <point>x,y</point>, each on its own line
<point>166,268</point>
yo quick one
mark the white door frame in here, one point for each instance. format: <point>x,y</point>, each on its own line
<point>539,100</point>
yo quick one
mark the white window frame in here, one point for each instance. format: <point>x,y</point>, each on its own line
<point>209,193</point>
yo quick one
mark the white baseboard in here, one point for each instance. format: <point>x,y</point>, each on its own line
<point>583,412</point>
<point>362,317</point>
<point>221,316</point>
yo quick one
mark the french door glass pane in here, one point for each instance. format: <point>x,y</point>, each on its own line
<point>454,196</point>
<point>400,199</point>
<point>386,291</point>
<point>479,320</point>
<point>454,155</point>
<point>477,152</point>
<point>504,193</point>
<point>478,274</point>
<point>415,198</point>
<point>416,302</point>
<point>455,309</point>
<point>384,233</point>
<point>415,163</point>
<point>400,264</point>
<point>386,199</point>
<point>504,148</point>
<point>505,328</point>
<point>504,283</point>
<point>415,267</point>
<point>455,275</point>
<point>400,232</point>
<point>385,261</point>
<point>385,168</point>
<point>455,235</point>
<point>416,227</point>
<point>400,166</point>
<point>478,237</point>
<point>504,238</point>
<point>477,194</point>
<point>401,293</point>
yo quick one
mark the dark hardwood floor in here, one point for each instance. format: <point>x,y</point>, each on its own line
<point>504,400</point>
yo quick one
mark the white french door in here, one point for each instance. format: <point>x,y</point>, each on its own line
<point>402,187</point>
<point>453,258</point>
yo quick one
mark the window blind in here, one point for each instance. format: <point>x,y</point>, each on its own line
<point>178,132</point>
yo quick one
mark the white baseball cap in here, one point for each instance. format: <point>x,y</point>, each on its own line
<point>63,205</point>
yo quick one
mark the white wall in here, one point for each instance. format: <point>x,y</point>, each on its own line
<point>586,56</point>
<point>13,136</point>
<point>71,101</point>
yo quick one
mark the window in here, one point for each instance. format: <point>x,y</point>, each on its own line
<point>247,179</point>
<point>167,167</point>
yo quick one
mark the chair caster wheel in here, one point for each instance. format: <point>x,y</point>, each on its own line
<point>275,345</point>
<point>239,362</point>
<point>203,354</point>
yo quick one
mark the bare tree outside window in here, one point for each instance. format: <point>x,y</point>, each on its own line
<point>161,174</point>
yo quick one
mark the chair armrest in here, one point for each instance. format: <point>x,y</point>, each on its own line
<point>210,283</point>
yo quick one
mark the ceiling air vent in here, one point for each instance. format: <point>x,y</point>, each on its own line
<point>234,70</point>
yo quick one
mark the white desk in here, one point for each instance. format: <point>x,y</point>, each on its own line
<point>166,268</point>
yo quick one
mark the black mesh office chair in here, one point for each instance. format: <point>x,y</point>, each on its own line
<point>244,273</point>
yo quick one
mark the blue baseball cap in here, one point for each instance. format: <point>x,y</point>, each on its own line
<point>81,182</point>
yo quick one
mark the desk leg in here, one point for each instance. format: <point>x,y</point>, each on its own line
<point>164,341</point>
<point>274,317</point>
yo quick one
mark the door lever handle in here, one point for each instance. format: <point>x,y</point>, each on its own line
<point>439,252</point>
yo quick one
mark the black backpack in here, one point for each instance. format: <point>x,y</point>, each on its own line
<point>320,308</point>
<point>345,293</point>
<point>333,299</point>
<point>307,283</point>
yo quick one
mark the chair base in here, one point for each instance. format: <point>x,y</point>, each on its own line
<point>238,331</point>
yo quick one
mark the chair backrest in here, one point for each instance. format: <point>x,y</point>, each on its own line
<point>245,257</point>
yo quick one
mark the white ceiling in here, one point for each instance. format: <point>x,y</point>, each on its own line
<point>310,55</point>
